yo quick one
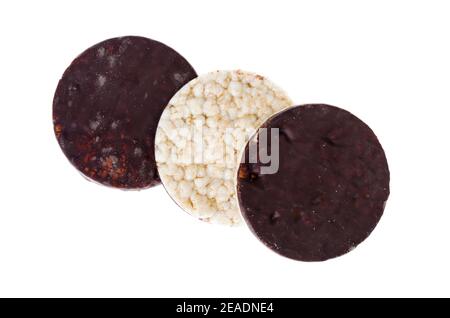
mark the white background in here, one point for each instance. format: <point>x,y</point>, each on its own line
<point>388,62</point>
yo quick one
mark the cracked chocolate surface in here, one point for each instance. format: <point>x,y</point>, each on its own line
<point>107,106</point>
<point>330,189</point>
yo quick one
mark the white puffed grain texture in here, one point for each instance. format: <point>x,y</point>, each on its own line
<point>201,135</point>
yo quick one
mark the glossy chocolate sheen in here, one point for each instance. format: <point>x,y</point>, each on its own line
<point>329,192</point>
<point>107,106</point>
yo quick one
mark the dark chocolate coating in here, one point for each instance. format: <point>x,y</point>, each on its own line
<point>329,192</point>
<point>107,106</point>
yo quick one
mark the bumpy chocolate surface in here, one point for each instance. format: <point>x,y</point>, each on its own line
<point>107,106</point>
<point>329,192</point>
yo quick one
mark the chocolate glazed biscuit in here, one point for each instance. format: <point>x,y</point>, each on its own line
<point>330,189</point>
<point>107,106</point>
